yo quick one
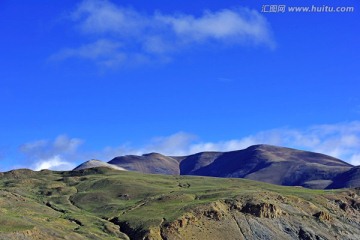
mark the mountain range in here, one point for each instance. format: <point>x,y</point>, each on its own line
<point>265,163</point>
<point>153,197</point>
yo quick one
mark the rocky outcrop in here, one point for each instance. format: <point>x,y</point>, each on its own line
<point>262,210</point>
<point>251,219</point>
<point>323,216</point>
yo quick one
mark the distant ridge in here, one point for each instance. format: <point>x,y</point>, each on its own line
<point>266,163</point>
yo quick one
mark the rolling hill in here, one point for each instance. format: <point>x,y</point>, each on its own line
<point>103,203</point>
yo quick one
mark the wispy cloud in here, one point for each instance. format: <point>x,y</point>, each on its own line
<point>57,154</point>
<point>175,144</point>
<point>101,49</point>
<point>102,16</point>
<point>340,140</point>
<point>126,35</point>
<point>229,26</point>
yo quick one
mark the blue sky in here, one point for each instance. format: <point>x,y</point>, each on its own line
<point>98,79</point>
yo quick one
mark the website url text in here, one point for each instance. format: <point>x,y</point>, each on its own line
<point>305,9</point>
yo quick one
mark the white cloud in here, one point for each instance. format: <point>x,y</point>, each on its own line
<point>229,145</point>
<point>58,154</point>
<point>341,140</point>
<point>47,148</point>
<point>101,16</point>
<point>102,48</point>
<point>145,37</point>
<point>33,146</point>
<point>66,145</point>
<point>355,159</point>
<point>105,52</point>
<point>225,25</point>
<point>175,144</point>
<point>54,163</point>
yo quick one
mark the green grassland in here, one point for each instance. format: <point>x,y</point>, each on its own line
<point>84,204</point>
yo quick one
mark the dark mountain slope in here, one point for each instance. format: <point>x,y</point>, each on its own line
<point>347,179</point>
<point>190,165</point>
<point>272,164</point>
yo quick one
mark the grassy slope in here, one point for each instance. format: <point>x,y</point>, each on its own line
<point>80,204</point>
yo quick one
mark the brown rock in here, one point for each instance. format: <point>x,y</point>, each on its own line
<point>262,210</point>
<point>323,216</point>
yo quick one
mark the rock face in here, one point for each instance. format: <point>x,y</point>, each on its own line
<point>262,210</point>
<point>323,216</point>
<point>266,163</point>
<point>97,163</point>
<point>284,219</point>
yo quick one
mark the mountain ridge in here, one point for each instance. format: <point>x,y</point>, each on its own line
<point>262,162</point>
